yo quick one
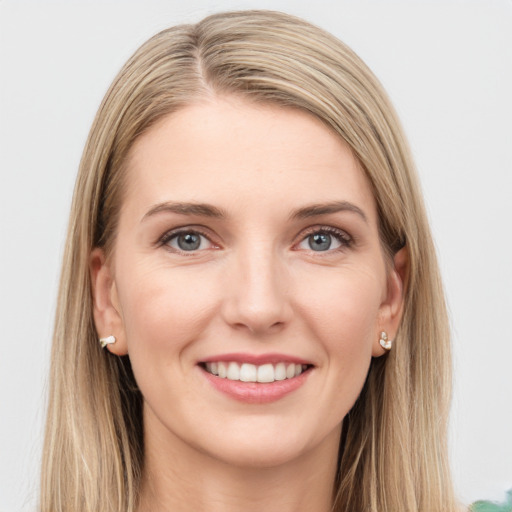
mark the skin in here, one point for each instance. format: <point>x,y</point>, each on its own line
<point>254,286</point>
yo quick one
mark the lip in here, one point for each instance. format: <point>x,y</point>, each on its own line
<point>256,392</point>
<point>256,359</point>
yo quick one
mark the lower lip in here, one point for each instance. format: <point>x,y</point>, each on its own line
<point>256,392</point>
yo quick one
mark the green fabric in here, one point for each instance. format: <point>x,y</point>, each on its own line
<point>487,506</point>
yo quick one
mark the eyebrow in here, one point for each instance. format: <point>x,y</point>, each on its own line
<point>200,209</point>
<point>208,210</point>
<point>315,210</point>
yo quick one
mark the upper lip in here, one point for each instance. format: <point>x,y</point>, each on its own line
<point>256,359</point>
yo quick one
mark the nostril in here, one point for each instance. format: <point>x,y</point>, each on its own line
<point>257,327</point>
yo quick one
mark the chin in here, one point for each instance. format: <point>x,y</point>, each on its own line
<point>267,447</point>
<point>258,457</point>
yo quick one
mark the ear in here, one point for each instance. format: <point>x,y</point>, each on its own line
<point>391,309</point>
<point>106,310</point>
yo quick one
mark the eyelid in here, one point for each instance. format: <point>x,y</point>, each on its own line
<point>341,235</point>
<point>172,233</point>
<point>345,239</point>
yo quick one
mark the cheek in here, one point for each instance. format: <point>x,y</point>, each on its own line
<point>341,312</point>
<point>165,312</point>
<point>343,305</point>
<point>164,309</point>
<point>337,310</point>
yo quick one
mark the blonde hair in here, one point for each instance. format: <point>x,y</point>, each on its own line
<point>393,454</point>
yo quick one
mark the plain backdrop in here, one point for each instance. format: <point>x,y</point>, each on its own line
<point>447,66</point>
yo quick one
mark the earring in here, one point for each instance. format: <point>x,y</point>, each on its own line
<point>109,340</point>
<point>384,342</point>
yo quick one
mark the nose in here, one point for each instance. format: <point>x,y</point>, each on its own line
<point>257,294</point>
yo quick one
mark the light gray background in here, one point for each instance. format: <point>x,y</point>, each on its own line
<point>447,66</point>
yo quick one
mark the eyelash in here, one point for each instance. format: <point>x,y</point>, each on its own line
<point>170,235</point>
<point>341,236</point>
<point>345,240</point>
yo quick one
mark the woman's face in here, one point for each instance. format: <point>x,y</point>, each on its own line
<point>247,250</point>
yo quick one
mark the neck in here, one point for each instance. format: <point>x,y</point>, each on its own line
<point>179,478</point>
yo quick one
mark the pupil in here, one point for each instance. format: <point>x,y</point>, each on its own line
<point>320,242</point>
<point>189,242</point>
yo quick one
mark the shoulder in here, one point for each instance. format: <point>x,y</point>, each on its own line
<point>488,506</point>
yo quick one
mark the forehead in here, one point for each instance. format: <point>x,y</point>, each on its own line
<point>232,152</point>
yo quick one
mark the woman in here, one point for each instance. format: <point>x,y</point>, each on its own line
<point>248,243</point>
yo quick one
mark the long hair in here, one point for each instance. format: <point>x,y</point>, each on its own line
<point>393,453</point>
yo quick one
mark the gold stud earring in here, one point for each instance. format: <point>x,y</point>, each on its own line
<point>109,340</point>
<point>385,343</point>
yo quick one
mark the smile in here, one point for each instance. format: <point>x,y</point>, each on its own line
<point>256,379</point>
<point>247,372</point>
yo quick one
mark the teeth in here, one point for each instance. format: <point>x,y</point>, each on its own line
<point>265,373</point>
<point>280,371</point>
<point>251,373</point>
<point>233,372</point>
<point>223,370</point>
<point>248,373</point>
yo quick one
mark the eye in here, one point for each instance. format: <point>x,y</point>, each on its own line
<point>320,241</point>
<point>187,241</point>
<point>325,239</point>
